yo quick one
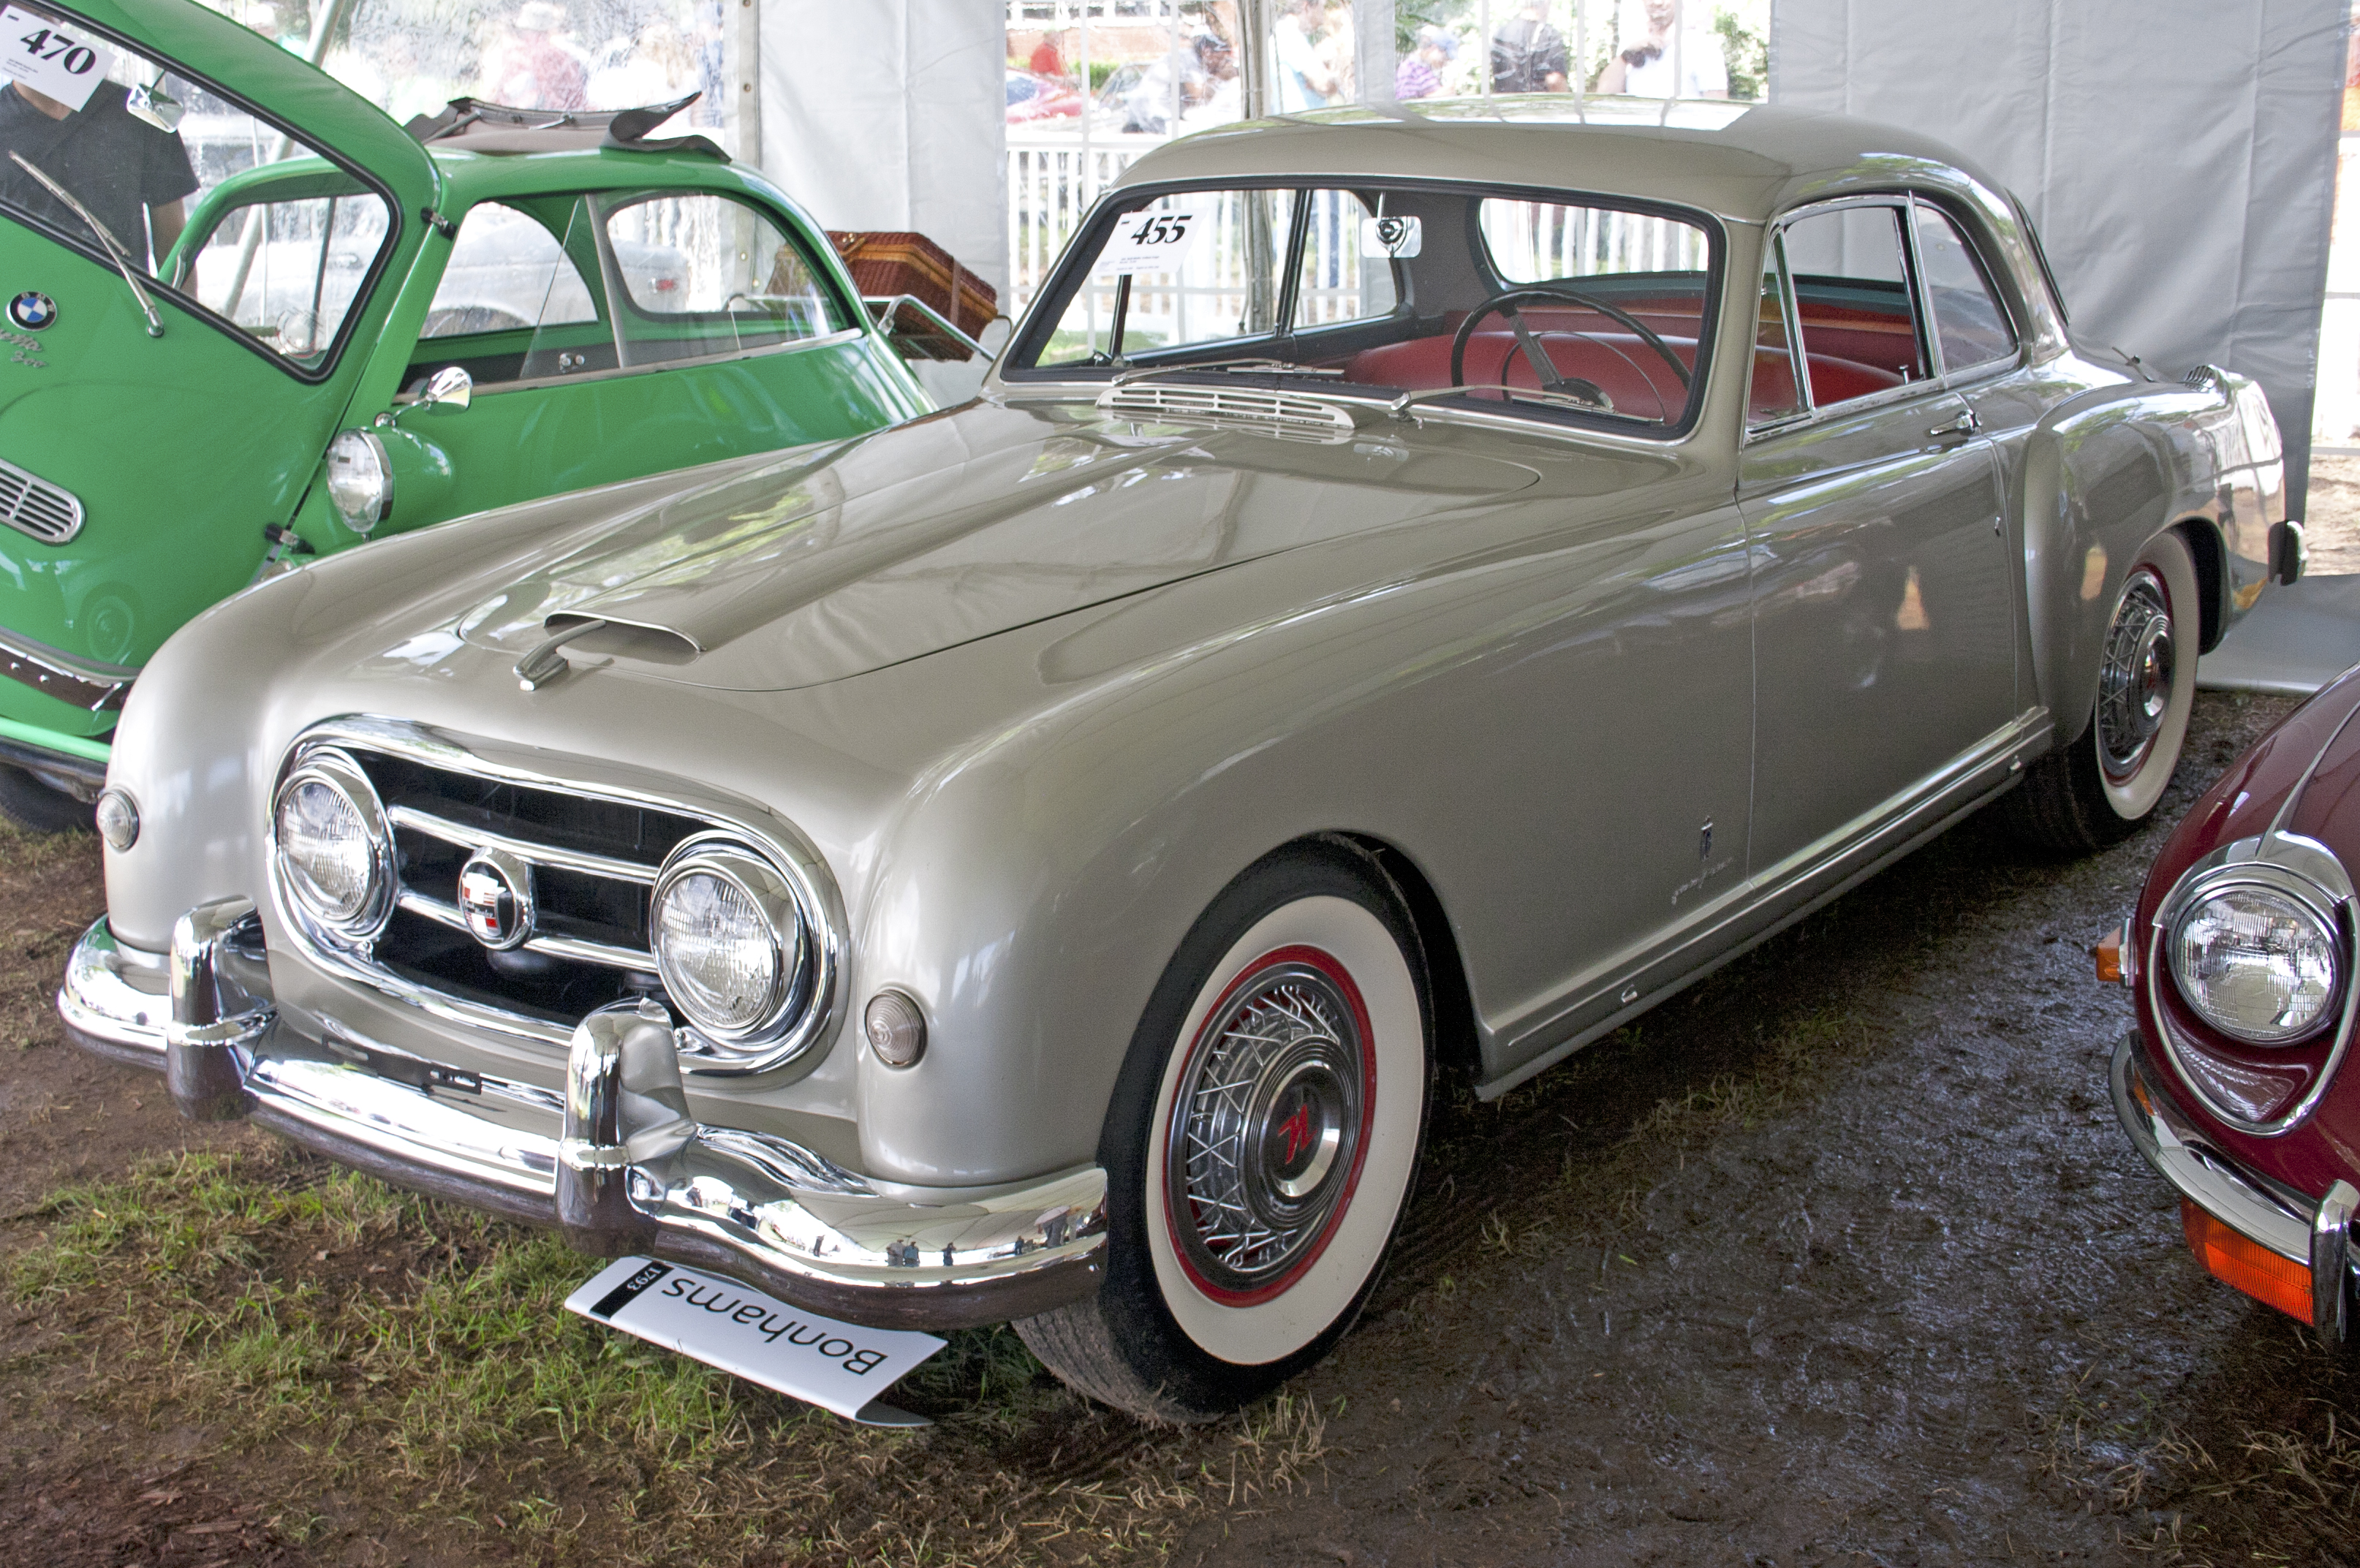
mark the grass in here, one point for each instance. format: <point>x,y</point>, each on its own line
<point>418,1356</point>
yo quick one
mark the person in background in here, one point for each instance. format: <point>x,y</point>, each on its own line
<point>1528,54</point>
<point>1046,60</point>
<point>1645,69</point>
<point>1336,55</point>
<point>132,177</point>
<point>535,69</point>
<point>1304,81</point>
<point>1419,75</point>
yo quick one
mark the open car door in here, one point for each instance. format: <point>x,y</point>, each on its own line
<point>200,237</point>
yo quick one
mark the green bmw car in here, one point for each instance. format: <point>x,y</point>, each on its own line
<point>252,322</point>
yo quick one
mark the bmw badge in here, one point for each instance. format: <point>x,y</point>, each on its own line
<point>33,310</point>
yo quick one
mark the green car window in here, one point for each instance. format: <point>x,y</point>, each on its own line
<point>506,271</point>
<point>704,276</point>
<point>114,152</point>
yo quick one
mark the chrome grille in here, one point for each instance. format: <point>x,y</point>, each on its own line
<point>33,506</point>
<point>587,857</point>
<point>1281,415</point>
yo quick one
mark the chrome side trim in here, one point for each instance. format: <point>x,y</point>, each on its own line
<point>31,505</point>
<point>759,1208</point>
<point>95,688</point>
<point>615,783</point>
<point>1665,963</point>
<point>2331,1261</point>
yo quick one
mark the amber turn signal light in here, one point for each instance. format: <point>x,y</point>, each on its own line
<point>2109,953</point>
<point>2249,1265</point>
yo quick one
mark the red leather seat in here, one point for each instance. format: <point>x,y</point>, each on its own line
<point>1622,366</point>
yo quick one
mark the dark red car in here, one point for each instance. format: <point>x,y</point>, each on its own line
<point>2240,953</point>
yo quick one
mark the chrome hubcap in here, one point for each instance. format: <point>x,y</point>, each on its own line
<point>1266,1125</point>
<point>2135,681</point>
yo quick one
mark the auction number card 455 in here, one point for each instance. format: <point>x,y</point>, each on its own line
<point>52,60</point>
<point>1152,241</point>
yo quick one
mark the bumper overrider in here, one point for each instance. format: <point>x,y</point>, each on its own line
<point>615,1163</point>
<point>2316,1236</point>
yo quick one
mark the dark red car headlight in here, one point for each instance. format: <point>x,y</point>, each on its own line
<point>2256,952</point>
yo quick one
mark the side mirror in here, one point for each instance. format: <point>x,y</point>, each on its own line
<point>155,106</point>
<point>449,388</point>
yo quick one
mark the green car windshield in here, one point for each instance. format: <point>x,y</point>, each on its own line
<point>113,151</point>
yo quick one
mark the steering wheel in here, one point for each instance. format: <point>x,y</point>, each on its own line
<point>1505,302</point>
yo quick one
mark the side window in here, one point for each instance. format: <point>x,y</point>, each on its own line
<point>1774,395</point>
<point>1348,273</point>
<point>287,271</point>
<point>507,272</point>
<point>1969,322</point>
<point>703,276</point>
<point>1187,269</point>
<point>1850,273</point>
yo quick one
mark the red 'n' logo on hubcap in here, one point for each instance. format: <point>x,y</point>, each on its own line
<point>1297,1128</point>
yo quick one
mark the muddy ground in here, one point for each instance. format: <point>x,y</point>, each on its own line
<point>1838,1258</point>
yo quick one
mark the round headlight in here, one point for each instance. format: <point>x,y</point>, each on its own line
<point>2257,964</point>
<point>118,815</point>
<point>728,940</point>
<point>360,480</point>
<point>332,847</point>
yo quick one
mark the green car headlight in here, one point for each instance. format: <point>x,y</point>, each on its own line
<point>360,480</point>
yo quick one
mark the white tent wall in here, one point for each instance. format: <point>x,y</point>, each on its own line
<point>892,114</point>
<point>2178,156</point>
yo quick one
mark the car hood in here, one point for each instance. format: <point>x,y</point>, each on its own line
<point>956,527</point>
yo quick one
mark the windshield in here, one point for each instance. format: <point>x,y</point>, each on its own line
<point>113,151</point>
<point>1558,305</point>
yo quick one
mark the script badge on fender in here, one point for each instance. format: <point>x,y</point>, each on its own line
<point>839,1366</point>
<point>33,310</point>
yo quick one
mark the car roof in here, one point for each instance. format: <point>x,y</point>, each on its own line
<point>1741,162</point>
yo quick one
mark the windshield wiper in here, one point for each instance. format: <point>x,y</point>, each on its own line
<point>1262,363</point>
<point>113,246</point>
<point>1598,405</point>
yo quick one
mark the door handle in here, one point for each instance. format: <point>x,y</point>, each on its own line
<point>1966,424</point>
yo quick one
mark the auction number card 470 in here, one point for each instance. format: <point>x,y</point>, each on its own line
<point>54,61</point>
<point>839,1366</point>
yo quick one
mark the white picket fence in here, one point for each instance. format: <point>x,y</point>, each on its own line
<point>1053,178</point>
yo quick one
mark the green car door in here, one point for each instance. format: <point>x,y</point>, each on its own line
<point>611,333</point>
<point>161,402</point>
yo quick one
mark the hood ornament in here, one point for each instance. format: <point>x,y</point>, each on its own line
<point>547,661</point>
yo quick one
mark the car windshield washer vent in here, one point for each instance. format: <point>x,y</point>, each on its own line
<point>31,505</point>
<point>1281,415</point>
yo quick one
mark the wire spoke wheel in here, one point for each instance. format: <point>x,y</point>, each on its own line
<point>1269,1124</point>
<point>2134,681</point>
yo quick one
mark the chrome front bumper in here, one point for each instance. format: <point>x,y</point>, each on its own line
<point>615,1162</point>
<point>2317,1234</point>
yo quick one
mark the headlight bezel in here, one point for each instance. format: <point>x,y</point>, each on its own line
<point>2286,887</point>
<point>2291,866</point>
<point>340,772</point>
<point>351,447</point>
<point>797,932</point>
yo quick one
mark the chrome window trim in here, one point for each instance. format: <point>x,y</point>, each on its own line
<point>91,686</point>
<point>1921,308</point>
<point>499,388</point>
<point>617,784</point>
<point>2285,863</point>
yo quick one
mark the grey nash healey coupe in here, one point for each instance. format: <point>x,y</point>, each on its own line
<point>1417,591</point>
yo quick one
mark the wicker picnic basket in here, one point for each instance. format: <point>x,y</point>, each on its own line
<point>888,263</point>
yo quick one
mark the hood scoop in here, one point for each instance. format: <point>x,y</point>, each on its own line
<point>600,638</point>
<point>1282,415</point>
